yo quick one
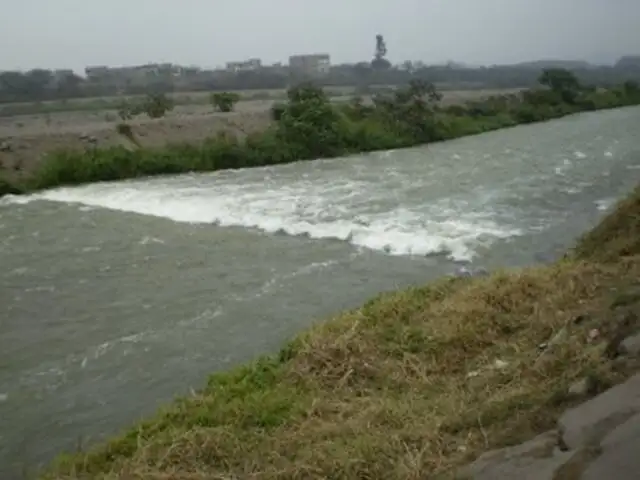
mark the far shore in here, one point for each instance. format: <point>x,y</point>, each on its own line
<point>28,138</point>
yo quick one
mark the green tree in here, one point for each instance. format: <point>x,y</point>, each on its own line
<point>631,88</point>
<point>310,124</point>
<point>562,82</point>
<point>224,101</point>
<point>157,105</point>
<point>379,61</point>
<point>414,108</point>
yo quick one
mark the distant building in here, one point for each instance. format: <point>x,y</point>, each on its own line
<point>629,61</point>
<point>245,66</point>
<point>133,74</point>
<point>96,73</point>
<point>313,65</point>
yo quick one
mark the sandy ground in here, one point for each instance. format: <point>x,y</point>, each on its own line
<point>25,139</point>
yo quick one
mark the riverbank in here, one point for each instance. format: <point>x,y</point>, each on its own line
<point>309,126</point>
<point>411,385</point>
<point>26,139</point>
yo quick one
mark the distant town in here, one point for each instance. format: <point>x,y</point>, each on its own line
<point>313,65</point>
<point>41,84</point>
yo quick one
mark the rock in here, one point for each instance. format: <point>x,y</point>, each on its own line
<point>586,423</point>
<point>583,387</point>
<point>5,147</point>
<point>536,459</point>
<point>623,326</point>
<point>630,346</point>
<point>619,454</point>
<point>597,440</point>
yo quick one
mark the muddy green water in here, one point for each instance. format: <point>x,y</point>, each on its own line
<point>116,297</point>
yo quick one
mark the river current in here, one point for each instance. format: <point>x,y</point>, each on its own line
<point>116,297</point>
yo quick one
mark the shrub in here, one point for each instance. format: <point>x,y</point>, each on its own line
<point>224,101</point>
<point>310,125</point>
<point>156,105</point>
<point>276,111</point>
<point>126,131</point>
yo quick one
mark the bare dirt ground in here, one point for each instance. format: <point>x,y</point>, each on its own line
<point>26,139</point>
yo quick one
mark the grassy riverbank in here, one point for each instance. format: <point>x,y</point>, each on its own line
<point>309,126</point>
<point>410,385</point>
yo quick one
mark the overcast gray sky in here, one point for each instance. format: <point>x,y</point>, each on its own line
<point>76,33</point>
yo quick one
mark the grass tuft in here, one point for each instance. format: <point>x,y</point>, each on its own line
<point>618,235</point>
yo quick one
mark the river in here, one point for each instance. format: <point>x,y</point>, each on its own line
<point>116,297</point>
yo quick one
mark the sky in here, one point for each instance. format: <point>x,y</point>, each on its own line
<point>207,33</point>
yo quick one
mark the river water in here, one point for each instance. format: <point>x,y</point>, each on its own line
<point>116,297</point>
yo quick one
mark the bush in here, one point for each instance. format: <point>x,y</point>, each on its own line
<point>126,131</point>
<point>277,109</point>
<point>224,101</point>
<point>310,125</point>
<point>157,105</point>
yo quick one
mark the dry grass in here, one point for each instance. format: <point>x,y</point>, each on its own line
<point>620,233</point>
<point>409,386</point>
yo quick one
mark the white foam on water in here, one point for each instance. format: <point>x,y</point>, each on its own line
<point>345,210</point>
<point>605,203</point>
<point>562,169</point>
<point>579,154</point>
<point>14,200</point>
<point>278,280</point>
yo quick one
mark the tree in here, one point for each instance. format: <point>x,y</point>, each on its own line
<point>157,105</point>
<point>407,66</point>
<point>69,86</point>
<point>631,88</point>
<point>224,101</point>
<point>412,110</point>
<point>310,125</point>
<point>562,82</point>
<point>379,61</point>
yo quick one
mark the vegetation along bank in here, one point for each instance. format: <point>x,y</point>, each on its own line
<point>309,126</point>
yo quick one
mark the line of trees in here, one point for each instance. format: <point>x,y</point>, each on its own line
<point>40,84</point>
<point>308,125</point>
